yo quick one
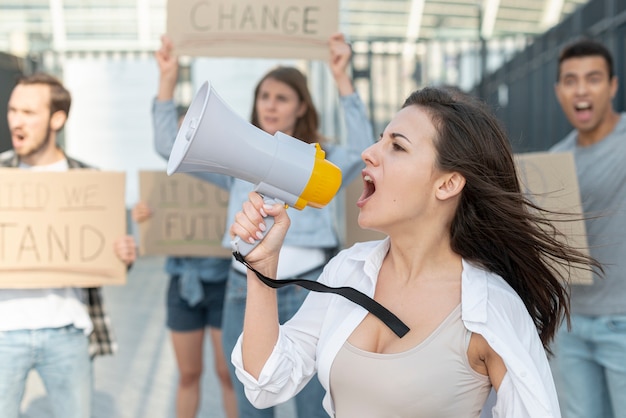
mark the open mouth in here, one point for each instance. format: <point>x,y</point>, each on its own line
<point>18,137</point>
<point>583,111</point>
<point>582,106</point>
<point>368,190</point>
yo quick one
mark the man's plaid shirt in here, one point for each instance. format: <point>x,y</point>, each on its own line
<point>101,340</point>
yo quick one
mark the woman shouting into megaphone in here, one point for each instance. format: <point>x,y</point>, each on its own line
<point>468,265</point>
<point>283,103</point>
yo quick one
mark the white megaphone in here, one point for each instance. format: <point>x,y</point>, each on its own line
<point>213,138</point>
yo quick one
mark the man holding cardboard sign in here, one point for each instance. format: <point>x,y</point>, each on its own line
<point>590,359</point>
<point>51,330</point>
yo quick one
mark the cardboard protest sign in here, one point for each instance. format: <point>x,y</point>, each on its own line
<point>253,28</point>
<point>354,233</point>
<point>57,229</point>
<point>188,216</point>
<point>550,181</point>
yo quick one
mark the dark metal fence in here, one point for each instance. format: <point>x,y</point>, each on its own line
<point>522,90</point>
<point>10,68</point>
<point>515,76</point>
<point>387,70</point>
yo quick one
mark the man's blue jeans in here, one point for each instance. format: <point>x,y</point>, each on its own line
<point>290,298</point>
<point>589,367</point>
<point>60,356</point>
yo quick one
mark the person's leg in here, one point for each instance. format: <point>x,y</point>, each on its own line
<point>232,326</point>
<point>186,327</point>
<point>188,352</point>
<point>221,369</point>
<point>66,371</point>
<point>214,296</point>
<point>309,399</point>
<point>611,353</point>
<point>578,376</point>
<point>16,360</point>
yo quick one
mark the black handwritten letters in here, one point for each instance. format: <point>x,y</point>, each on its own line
<point>206,16</point>
<point>189,215</point>
<point>189,212</point>
<point>253,28</point>
<point>56,224</point>
<point>37,242</point>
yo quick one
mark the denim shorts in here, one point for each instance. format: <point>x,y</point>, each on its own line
<point>207,313</point>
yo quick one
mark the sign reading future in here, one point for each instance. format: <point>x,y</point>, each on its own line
<point>188,216</point>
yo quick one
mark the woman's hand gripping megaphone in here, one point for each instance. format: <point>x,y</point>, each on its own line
<point>261,225</point>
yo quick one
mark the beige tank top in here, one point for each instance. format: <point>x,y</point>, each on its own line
<point>431,380</point>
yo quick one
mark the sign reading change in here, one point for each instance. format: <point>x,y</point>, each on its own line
<point>58,228</point>
<point>253,28</point>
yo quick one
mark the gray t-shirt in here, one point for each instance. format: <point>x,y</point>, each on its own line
<point>601,170</point>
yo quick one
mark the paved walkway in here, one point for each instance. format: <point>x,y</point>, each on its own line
<point>139,381</point>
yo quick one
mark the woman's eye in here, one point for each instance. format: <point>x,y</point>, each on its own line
<point>397,147</point>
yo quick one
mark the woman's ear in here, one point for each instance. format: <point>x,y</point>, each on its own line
<point>450,186</point>
<point>302,109</point>
<point>57,120</point>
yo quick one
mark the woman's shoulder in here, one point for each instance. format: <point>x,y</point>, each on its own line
<point>492,307</point>
<point>482,285</point>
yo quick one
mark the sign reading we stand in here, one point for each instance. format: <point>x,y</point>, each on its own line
<point>58,229</point>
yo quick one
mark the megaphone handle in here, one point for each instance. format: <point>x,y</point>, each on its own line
<point>244,247</point>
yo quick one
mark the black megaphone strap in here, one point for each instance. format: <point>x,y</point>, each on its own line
<point>361,299</point>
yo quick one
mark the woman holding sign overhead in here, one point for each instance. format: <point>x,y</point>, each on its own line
<point>195,296</point>
<point>282,102</point>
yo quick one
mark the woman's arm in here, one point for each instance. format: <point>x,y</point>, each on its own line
<point>260,327</point>
<point>164,114</point>
<point>485,360</point>
<point>359,129</point>
<point>510,353</point>
<point>338,61</point>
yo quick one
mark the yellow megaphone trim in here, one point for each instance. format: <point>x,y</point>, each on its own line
<point>323,184</point>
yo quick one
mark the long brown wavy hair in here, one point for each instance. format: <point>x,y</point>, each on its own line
<point>496,225</point>
<point>307,125</point>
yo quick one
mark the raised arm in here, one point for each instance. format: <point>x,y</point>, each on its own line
<point>338,61</point>
<point>359,136</point>
<point>168,69</point>
<point>260,327</point>
<point>164,115</point>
